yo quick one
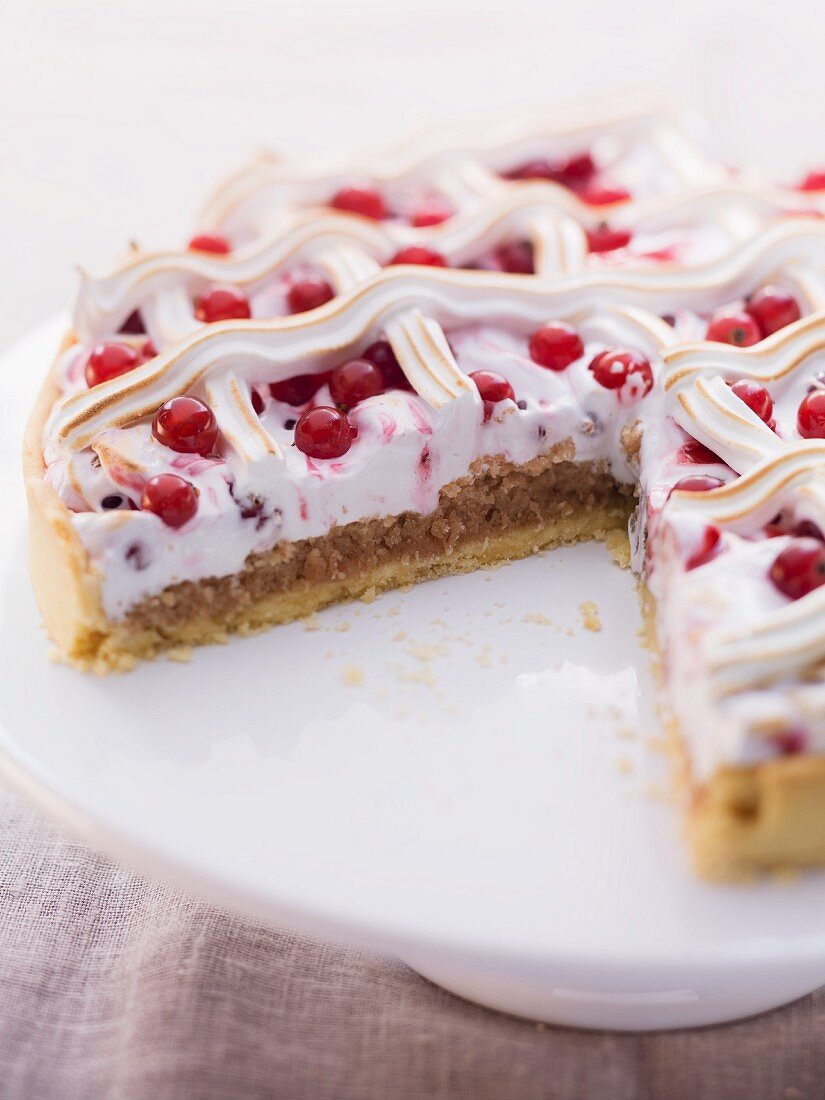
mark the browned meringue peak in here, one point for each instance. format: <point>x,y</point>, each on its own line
<point>696,381</point>
<point>350,251</point>
<point>787,641</point>
<point>773,358</point>
<point>460,162</point>
<point>408,304</point>
<point>538,211</point>
<point>438,292</point>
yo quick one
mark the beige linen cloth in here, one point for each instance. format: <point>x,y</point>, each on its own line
<point>114,985</point>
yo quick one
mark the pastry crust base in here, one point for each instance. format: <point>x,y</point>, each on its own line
<point>67,588</point>
<point>767,817</point>
<point>744,820</point>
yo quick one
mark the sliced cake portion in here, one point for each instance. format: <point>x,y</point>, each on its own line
<point>427,422</point>
<point>736,566</point>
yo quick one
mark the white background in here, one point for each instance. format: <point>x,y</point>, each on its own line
<point>116,118</point>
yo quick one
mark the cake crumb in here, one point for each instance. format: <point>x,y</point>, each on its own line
<point>626,733</point>
<point>424,676</point>
<point>420,674</point>
<point>343,627</point>
<point>625,765</point>
<point>180,653</point>
<point>591,620</point>
<point>399,636</point>
<point>483,658</point>
<point>353,675</point>
<point>658,744</point>
<point>425,651</point>
<point>536,617</point>
<point>312,622</point>
<point>369,595</point>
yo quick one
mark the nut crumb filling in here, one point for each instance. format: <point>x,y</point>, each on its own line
<point>497,500</point>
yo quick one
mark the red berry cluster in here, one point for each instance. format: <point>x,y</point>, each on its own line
<point>708,546</point>
<point>577,173</point>
<point>557,344</point>
<point>767,311</point>
<point>222,302</point>
<point>618,367</point>
<point>603,238</point>
<point>516,258</point>
<point>698,483</point>
<point>419,255</point>
<point>799,568</point>
<point>695,452</point>
<point>112,358</point>
<point>186,425</point>
<point>309,293</point>
<point>363,200</point>
<point>814,181</point>
<point>430,213</point>
<point>493,388</point>
<point>325,432</point>
<point>366,201</point>
<point>757,398</point>
<point>170,497</point>
<point>215,243</point>
<point>810,417</point>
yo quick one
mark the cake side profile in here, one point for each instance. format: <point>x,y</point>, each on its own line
<point>349,383</point>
